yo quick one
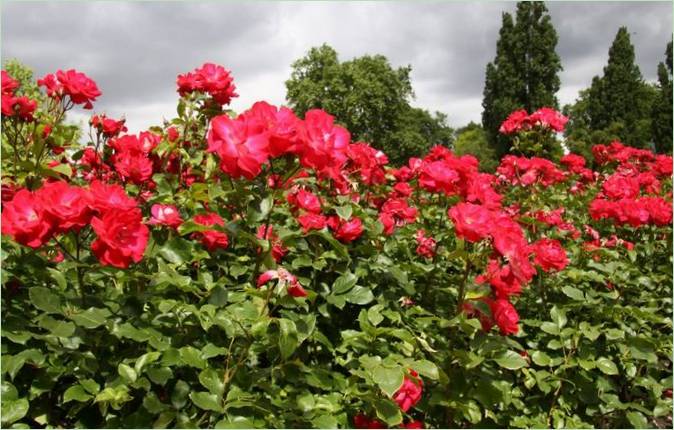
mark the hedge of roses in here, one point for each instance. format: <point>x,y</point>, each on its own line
<point>263,270</point>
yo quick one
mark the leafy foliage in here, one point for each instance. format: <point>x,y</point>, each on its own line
<point>259,301</point>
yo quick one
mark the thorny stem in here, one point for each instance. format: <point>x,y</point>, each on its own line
<point>462,287</point>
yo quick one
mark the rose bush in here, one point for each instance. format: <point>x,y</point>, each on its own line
<point>262,270</point>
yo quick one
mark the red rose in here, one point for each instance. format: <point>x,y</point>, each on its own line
<point>165,215</point>
<point>211,239</point>
<point>281,124</point>
<point>514,122</point>
<point>346,231</point>
<point>505,316</point>
<point>409,392</point>
<point>472,222</point>
<point>66,207</point>
<point>24,220</point>
<point>548,118</point>
<point>78,86</point>
<point>104,197</point>
<point>210,78</point>
<point>122,238</point>
<point>172,134</point>
<point>426,245</point>
<point>20,107</point>
<point>549,255</point>
<point>438,176</point>
<point>312,221</point>
<point>108,126</point>
<point>278,251</point>
<point>241,145</point>
<point>323,145</point>
<point>308,201</point>
<point>133,166</point>
<point>9,84</point>
<point>659,210</point>
<point>403,189</point>
<point>361,421</point>
<point>619,186</point>
<point>285,279</point>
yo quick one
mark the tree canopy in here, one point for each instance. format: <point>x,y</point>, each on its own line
<point>369,97</point>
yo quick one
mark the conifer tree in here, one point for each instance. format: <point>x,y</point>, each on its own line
<point>524,73</point>
<point>662,107</point>
<point>620,99</point>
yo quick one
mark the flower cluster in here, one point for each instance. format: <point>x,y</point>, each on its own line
<point>211,79</point>
<point>529,171</point>
<point>545,118</point>
<point>20,107</point>
<point>108,127</point>
<point>34,218</point>
<point>285,280</point>
<point>77,86</point>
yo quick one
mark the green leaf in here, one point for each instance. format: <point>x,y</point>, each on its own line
<point>344,283</point>
<point>235,422</point>
<point>64,169</point>
<point>388,412</point>
<point>550,328</point>
<point>191,356</point>
<point>427,368</point>
<point>540,358</point>
<point>212,381</point>
<point>116,396</point>
<point>56,327</point>
<point>344,212</point>
<point>76,392</point>
<point>90,386</point>
<point>325,422</point>
<point>511,360</point>
<point>206,401</point>
<point>305,401</point>
<point>147,358</point>
<point>574,293</point>
<point>179,394</point>
<point>13,410</point>
<point>558,317</point>
<point>607,366</point>
<point>159,375</point>
<point>288,341</point>
<point>359,295</point>
<point>127,372</point>
<point>637,419</point>
<point>45,300</point>
<point>177,250</point>
<point>374,315</point>
<point>388,379</point>
<point>58,277</point>
<point>91,318</point>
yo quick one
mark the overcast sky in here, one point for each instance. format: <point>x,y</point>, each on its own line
<point>135,50</point>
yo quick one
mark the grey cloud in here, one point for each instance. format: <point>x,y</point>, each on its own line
<point>135,50</point>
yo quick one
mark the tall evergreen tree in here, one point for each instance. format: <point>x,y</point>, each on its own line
<point>662,107</point>
<point>524,73</point>
<point>620,99</point>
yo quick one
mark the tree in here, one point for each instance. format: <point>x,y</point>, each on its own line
<point>472,139</point>
<point>662,106</point>
<point>370,98</point>
<point>620,99</point>
<point>524,73</point>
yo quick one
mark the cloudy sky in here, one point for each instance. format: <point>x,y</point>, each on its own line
<point>135,50</point>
